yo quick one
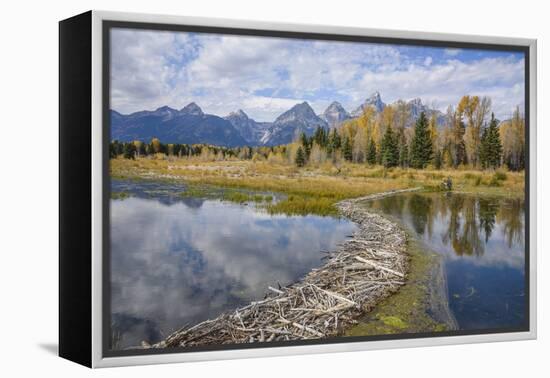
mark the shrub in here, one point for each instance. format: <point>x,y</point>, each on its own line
<point>495,181</point>
<point>500,176</point>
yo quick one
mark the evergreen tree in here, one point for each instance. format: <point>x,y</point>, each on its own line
<point>459,146</point>
<point>347,149</point>
<point>334,140</point>
<point>320,136</point>
<point>484,148</point>
<point>421,144</point>
<point>490,152</point>
<point>141,149</point>
<point>404,155</point>
<point>113,149</point>
<point>389,149</point>
<point>129,151</point>
<point>306,144</point>
<point>120,148</point>
<point>176,149</point>
<point>329,147</point>
<point>163,148</point>
<point>495,144</point>
<point>371,152</point>
<point>300,157</point>
<point>185,150</point>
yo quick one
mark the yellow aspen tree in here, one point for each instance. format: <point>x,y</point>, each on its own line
<point>475,109</point>
<point>432,129</point>
<point>512,136</point>
<point>387,117</point>
<point>139,147</point>
<point>359,147</point>
<point>402,115</point>
<point>155,142</point>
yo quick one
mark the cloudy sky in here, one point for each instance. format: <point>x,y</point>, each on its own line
<point>266,76</point>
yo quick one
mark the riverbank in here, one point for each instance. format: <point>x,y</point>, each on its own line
<point>313,190</point>
<point>368,267</point>
<point>420,306</point>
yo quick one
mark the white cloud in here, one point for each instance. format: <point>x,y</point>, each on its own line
<point>265,107</point>
<point>428,61</point>
<point>452,52</point>
<point>142,68</point>
<point>265,76</point>
<point>444,84</point>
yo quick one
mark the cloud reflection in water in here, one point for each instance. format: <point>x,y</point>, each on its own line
<point>173,264</point>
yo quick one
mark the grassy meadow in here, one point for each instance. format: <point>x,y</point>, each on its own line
<point>309,189</point>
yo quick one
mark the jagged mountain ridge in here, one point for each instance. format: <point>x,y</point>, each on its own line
<point>191,125</point>
<point>299,119</point>
<point>416,107</point>
<point>188,125</point>
<point>335,114</point>
<point>249,129</point>
<point>375,100</point>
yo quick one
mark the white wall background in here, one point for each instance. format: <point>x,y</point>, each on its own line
<point>28,198</point>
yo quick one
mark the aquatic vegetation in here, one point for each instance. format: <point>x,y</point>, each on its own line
<point>407,310</point>
<point>393,321</point>
<point>303,205</point>
<point>236,197</point>
<point>119,195</point>
<point>225,194</point>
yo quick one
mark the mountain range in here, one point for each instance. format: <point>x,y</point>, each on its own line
<point>191,125</point>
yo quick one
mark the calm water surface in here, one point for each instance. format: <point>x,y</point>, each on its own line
<point>177,261</point>
<point>481,241</point>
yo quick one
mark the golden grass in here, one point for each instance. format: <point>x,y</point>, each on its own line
<point>315,189</point>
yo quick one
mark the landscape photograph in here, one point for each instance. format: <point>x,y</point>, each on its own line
<point>273,191</point>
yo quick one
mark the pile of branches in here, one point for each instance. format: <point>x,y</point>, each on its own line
<point>364,269</point>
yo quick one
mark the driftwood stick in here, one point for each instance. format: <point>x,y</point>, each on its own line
<point>303,328</point>
<point>275,290</point>
<point>358,258</point>
<point>339,297</point>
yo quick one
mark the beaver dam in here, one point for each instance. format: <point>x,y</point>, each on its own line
<point>364,269</point>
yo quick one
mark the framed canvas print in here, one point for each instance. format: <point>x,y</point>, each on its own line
<point>236,189</point>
